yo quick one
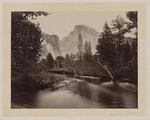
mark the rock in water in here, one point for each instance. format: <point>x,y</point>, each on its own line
<point>119,86</point>
<point>128,86</point>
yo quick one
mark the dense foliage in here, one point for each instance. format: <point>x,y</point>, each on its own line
<point>115,51</point>
<point>25,43</point>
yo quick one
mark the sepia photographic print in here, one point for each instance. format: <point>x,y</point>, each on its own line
<point>70,58</point>
<point>85,60</point>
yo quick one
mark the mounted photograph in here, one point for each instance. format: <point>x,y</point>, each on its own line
<point>74,59</point>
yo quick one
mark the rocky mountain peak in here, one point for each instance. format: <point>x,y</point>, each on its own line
<point>69,43</point>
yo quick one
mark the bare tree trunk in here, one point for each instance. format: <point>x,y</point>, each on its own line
<point>106,68</point>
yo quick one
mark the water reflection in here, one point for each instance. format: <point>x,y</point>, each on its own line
<point>79,94</point>
<point>61,99</point>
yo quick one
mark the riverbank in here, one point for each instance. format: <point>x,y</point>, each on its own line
<point>53,81</point>
<point>38,81</point>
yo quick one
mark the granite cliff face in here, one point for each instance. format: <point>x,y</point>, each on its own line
<point>50,44</point>
<point>69,43</point>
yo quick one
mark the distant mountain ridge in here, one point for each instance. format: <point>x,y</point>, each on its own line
<point>69,43</point>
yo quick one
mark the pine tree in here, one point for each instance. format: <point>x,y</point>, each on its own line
<point>67,60</point>
<point>80,48</point>
<point>60,61</point>
<point>133,17</point>
<point>125,54</point>
<point>50,60</point>
<point>90,52</point>
<point>86,47</point>
<point>87,52</point>
<point>119,31</point>
<point>106,47</point>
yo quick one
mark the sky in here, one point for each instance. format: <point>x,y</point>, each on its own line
<point>62,23</point>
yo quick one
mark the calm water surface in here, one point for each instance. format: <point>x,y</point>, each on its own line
<point>78,94</point>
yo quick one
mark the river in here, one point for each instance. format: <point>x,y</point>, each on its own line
<point>75,93</point>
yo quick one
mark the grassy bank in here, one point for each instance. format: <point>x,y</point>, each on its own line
<point>37,81</point>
